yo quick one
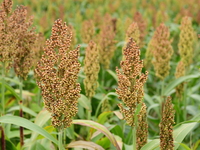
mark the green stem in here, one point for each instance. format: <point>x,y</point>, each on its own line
<point>60,146</point>
<point>3,89</point>
<point>134,138</point>
<point>102,76</point>
<point>88,110</point>
<point>88,118</point>
<point>178,112</point>
<point>162,98</point>
<point>185,103</point>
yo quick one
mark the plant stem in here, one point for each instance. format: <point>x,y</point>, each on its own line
<point>162,98</point>
<point>89,111</point>
<point>21,113</point>
<point>3,89</point>
<point>134,138</point>
<point>3,141</point>
<point>102,76</point>
<point>184,103</point>
<point>60,146</point>
<point>21,128</point>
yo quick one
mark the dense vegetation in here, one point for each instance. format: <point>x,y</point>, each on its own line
<point>111,74</point>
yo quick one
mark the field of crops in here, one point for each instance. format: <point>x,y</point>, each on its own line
<point>100,75</point>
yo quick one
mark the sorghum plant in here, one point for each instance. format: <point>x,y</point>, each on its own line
<point>106,41</point>
<point>162,51</point>
<point>73,40</point>
<point>91,69</point>
<point>131,81</point>
<point>8,41</point>
<point>133,32</point>
<point>166,126</point>
<point>142,128</point>
<point>56,73</point>
<point>26,36</point>
<point>87,31</point>
<point>148,55</point>
<point>142,25</point>
<point>186,42</point>
<point>180,72</point>
<point>130,90</point>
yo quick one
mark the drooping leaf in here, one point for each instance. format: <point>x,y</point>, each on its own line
<point>151,145</point>
<point>25,109</point>
<point>176,82</point>
<point>84,144</point>
<point>100,128</point>
<point>84,102</point>
<point>27,124</point>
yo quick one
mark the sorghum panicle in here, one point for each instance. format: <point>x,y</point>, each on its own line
<point>141,25</point>
<point>133,32</point>
<point>186,41</point>
<point>149,55</point>
<point>162,51</point>
<point>26,35</point>
<point>131,81</point>
<point>91,69</point>
<point>159,17</point>
<point>166,126</point>
<point>8,40</point>
<point>87,31</point>
<point>73,40</point>
<point>57,73</point>
<point>105,106</point>
<point>38,48</point>
<point>180,72</point>
<point>142,127</point>
<point>106,41</point>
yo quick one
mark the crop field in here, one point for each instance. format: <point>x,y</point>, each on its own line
<point>99,75</point>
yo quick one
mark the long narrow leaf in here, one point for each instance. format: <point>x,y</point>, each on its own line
<point>27,124</point>
<point>12,91</point>
<point>25,109</point>
<point>85,144</point>
<point>151,145</point>
<point>174,83</point>
<point>181,132</point>
<point>100,128</point>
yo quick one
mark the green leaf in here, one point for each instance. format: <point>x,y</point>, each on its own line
<point>105,97</point>
<point>10,145</point>
<point>25,109</point>
<point>12,91</point>
<point>151,145</point>
<point>181,132</point>
<point>104,142</point>
<point>40,120</point>
<point>16,81</point>
<point>84,144</point>
<point>195,97</point>
<point>27,124</point>
<point>184,146</point>
<point>117,130</point>
<point>103,117</point>
<point>176,82</point>
<point>84,102</point>
<point>100,128</point>
<point>38,146</point>
<point>15,133</point>
<point>127,147</point>
<point>49,129</point>
<point>113,74</point>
